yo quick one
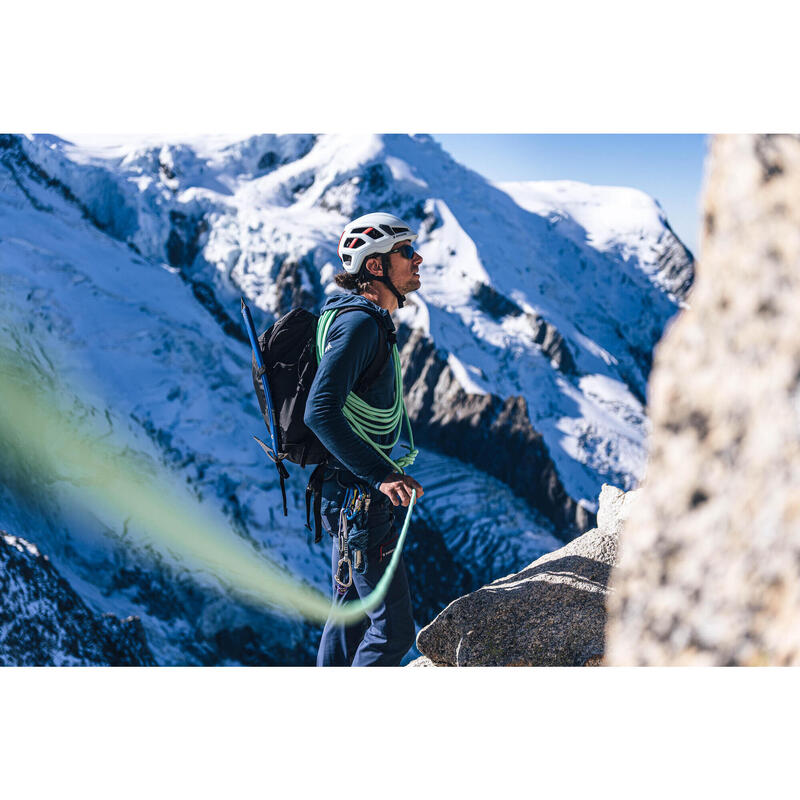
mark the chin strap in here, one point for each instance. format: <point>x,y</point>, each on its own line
<point>401,298</point>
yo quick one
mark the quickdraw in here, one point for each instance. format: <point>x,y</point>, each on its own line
<point>355,502</point>
<point>343,582</point>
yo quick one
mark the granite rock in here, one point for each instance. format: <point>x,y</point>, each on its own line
<point>552,613</point>
<point>709,570</point>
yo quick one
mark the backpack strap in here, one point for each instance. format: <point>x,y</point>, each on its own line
<point>386,342</point>
<point>314,489</point>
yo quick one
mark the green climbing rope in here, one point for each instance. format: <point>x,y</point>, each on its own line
<point>366,420</point>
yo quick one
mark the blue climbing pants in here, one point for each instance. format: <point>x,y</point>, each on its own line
<point>386,634</point>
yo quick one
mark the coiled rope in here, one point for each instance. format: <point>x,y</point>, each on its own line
<point>368,421</point>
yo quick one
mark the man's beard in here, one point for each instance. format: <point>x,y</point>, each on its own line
<point>412,285</point>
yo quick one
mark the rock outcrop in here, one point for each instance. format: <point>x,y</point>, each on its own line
<point>709,572</point>
<point>675,263</point>
<point>545,334</point>
<point>43,621</point>
<point>552,613</point>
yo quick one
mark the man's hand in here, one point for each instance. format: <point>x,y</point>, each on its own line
<point>398,488</point>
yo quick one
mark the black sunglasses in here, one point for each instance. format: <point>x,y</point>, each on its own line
<point>405,250</point>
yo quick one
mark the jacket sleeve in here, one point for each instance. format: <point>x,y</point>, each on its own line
<point>351,345</point>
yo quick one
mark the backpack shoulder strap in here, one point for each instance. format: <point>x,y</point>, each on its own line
<point>386,341</point>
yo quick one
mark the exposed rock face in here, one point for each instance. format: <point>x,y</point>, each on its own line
<point>553,344</point>
<point>493,303</point>
<point>297,285</point>
<point>43,621</point>
<point>545,334</point>
<point>184,240</point>
<point>470,427</point>
<point>552,613</point>
<point>710,558</point>
<point>675,264</point>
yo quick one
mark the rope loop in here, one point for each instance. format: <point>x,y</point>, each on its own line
<point>366,420</point>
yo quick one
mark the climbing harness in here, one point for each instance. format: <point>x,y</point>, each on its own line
<point>356,502</point>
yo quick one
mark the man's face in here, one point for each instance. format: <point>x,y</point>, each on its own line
<point>404,272</point>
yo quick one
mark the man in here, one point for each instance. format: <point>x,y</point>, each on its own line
<point>380,269</point>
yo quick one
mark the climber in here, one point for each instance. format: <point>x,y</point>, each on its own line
<point>360,486</point>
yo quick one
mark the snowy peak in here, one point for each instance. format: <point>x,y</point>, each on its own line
<point>619,221</point>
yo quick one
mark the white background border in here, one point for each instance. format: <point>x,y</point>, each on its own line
<point>202,67</point>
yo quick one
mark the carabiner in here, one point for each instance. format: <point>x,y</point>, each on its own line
<point>349,582</point>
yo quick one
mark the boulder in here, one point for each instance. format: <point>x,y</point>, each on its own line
<point>709,572</point>
<point>552,613</point>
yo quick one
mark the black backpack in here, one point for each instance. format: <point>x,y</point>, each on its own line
<point>288,352</point>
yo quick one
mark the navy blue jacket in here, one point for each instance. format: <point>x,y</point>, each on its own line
<point>352,343</point>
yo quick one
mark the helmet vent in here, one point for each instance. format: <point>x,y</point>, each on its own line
<point>373,233</point>
<point>354,242</point>
<point>387,229</point>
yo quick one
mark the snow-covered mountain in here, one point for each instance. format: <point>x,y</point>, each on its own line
<point>526,351</point>
<point>44,621</point>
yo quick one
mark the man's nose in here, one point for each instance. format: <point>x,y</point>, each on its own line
<point>417,258</point>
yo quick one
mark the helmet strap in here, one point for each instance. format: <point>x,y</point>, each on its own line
<point>401,298</point>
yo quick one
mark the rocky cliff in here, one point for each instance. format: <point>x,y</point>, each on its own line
<point>709,570</point>
<point>495,435</point>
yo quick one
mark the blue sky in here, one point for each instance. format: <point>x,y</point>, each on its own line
<point>668,167</point>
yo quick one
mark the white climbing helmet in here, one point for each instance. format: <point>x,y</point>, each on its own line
<point>371,234</point>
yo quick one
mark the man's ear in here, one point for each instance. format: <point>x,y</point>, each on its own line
<point>374,266</point>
